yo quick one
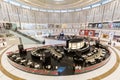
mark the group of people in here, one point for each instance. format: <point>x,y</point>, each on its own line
<point>3,42</point>
<point>110,43</point>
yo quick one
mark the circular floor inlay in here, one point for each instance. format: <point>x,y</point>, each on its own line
<point>58,60</point>
<point>96,78</point>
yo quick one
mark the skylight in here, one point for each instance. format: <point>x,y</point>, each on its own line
<point>14,3</point>
<point>24,6</point>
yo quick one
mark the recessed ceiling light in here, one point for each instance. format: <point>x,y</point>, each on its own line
<point>59,0</point>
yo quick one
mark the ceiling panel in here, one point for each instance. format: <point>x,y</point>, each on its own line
<point>59,4</point>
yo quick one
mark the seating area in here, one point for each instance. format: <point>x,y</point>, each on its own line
<point>95,56</point>
<point>51,57</point>
<point>56,52</point>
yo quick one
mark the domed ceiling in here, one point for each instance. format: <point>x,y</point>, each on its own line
<point>59,4</point>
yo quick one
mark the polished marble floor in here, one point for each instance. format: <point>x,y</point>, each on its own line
<point>93,75</point>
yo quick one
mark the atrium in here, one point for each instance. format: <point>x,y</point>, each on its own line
<point>59,40</point>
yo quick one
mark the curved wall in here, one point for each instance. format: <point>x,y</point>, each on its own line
<point>103,13</point>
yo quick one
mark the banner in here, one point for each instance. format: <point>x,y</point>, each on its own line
<point>87,33</point>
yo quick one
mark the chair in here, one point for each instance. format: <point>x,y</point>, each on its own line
<point>18,59</point>
<point>37,66</point>
<point>23,62</point>
<point>56,67</point>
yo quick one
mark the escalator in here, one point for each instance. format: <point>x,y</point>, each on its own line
<point>25,39</point>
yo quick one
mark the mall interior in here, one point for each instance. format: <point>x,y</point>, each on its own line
<point>59,39</point>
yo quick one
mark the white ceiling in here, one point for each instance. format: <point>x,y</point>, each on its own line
<point>59,4</point>
<point>55,2</point>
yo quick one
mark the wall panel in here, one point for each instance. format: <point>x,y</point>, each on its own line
<point>1,15</point>
<point>31,16</point>
<point>108,11</point>
<point>23,15</point>
<point>83,16</point>
<point>116,15</point>
<point>13,14</point>
<point>104,13</point>
<point>54,17</point>
<point>76,17</point>
<point>5,15</point>
<point>66,17</point>
<point>90,15</point>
